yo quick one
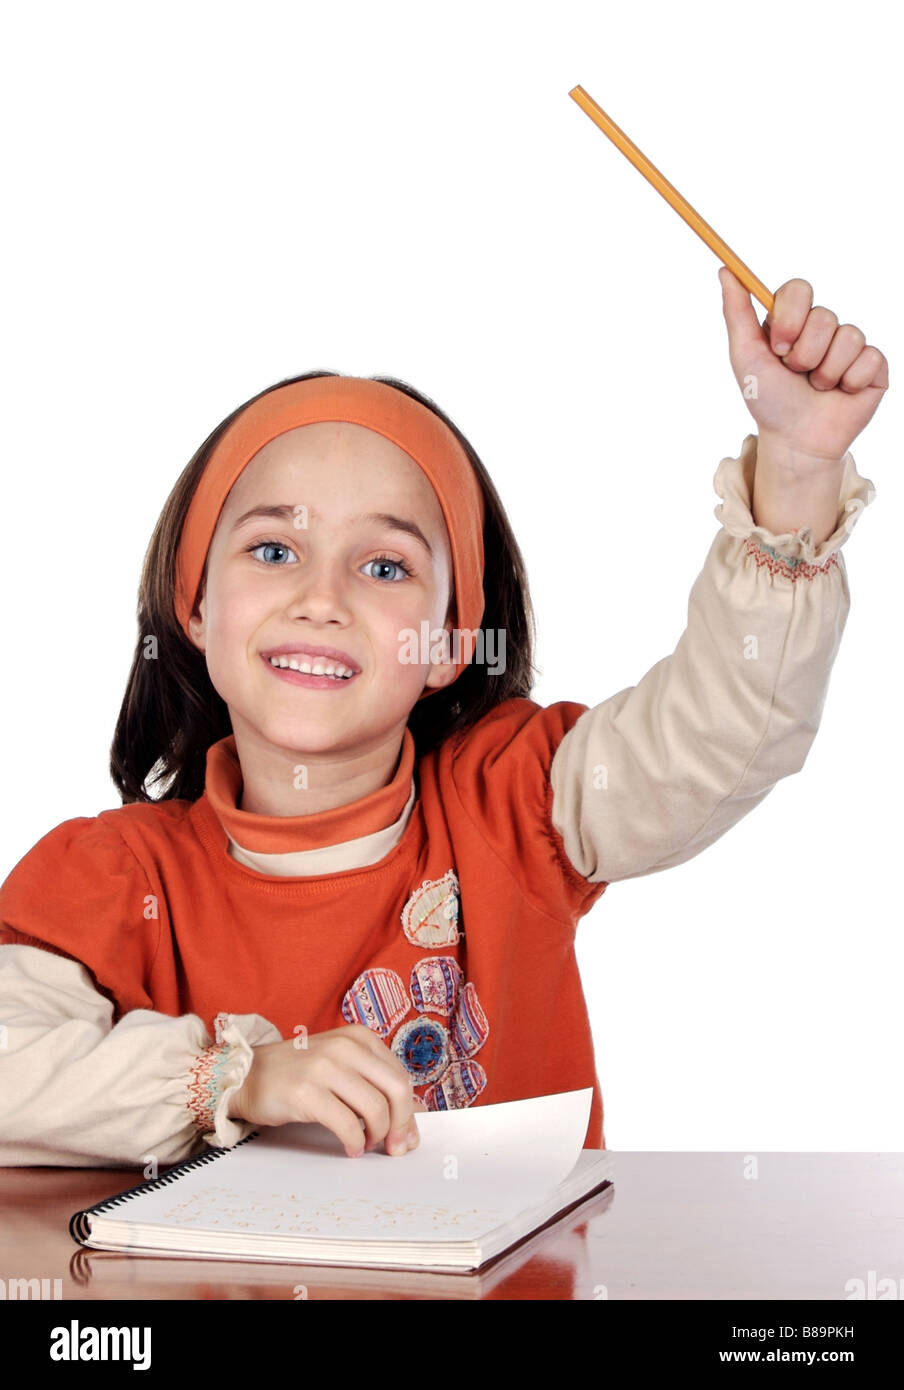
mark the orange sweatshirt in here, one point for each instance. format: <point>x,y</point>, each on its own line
<point>457,948</point>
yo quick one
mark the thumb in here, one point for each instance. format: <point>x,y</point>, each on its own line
<point>745,335</point>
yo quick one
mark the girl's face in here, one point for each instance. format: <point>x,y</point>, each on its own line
<point>360,555</point>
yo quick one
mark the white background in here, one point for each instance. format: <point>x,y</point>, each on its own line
<point>206,198</point>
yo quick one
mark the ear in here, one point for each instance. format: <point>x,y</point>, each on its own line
<point>442,673</point>
<point>197,624</point>
<point>440,676</point>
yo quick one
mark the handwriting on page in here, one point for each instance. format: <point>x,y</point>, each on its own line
<point>223,1208</point>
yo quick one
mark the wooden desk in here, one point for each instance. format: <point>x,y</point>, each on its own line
<point>675,1226</point>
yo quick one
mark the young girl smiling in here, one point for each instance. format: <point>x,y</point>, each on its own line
<point>356,892</point>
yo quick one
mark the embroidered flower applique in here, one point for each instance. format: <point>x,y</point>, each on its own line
<point>437,1051</point>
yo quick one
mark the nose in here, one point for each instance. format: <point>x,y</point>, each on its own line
<point>320,592</point>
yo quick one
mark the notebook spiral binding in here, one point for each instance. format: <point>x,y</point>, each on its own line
<point>80,1224</point>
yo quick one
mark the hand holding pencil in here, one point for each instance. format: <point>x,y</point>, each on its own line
<point>810,384</point>
<point>807,382</point>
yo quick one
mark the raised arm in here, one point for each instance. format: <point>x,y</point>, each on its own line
<point>653,775</point>
<point>656,773</point>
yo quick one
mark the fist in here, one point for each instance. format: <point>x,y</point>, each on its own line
<point>806,380</point>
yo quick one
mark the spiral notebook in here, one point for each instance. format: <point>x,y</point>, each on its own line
<point>481,1180</point>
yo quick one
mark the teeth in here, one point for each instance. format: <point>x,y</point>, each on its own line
<point>319,667</point>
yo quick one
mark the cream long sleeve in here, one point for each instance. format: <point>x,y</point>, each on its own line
<point>77,1090</point>
<point>654,774</point>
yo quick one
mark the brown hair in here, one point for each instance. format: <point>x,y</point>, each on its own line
<point>171,713</point>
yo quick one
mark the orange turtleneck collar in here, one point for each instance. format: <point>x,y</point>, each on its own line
<point>288,834</point>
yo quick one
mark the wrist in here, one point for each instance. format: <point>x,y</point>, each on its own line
<point>782,455</point>
<point>794,490</point>
<point>235,1106</point>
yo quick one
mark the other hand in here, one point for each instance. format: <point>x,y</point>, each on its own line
<point>346,1079</point>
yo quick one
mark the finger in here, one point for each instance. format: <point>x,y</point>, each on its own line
<point>790,307</point>
<point>844,348</point>
<point>327,1109</point>
<point>402,1105</point>
<point>813,342</point>
<point>370,1106</point>
<point>391,1079</point>
<point>400,1095</point>
<point>744,328</point>
<point>414,1137</point>
<point>870,369</point>
<point>368,1099</point>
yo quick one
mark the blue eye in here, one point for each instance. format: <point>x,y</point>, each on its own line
<point>270,545</point>
<point>394,564</point>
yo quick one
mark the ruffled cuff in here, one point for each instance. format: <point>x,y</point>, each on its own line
<point>792,552</point>
<point>220,1070</point>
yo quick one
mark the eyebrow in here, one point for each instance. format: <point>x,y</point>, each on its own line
<point>285,512</point>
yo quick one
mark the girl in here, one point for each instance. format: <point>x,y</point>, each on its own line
<point>355,893</point>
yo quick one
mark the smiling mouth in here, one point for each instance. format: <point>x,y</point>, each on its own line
<point>317,673</point>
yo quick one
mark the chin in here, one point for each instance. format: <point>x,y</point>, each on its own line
<point>320,736</point>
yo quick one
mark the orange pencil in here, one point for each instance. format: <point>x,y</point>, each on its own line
<point>673,197</point>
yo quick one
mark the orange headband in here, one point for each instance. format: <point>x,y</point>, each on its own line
<point>359,401</point>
